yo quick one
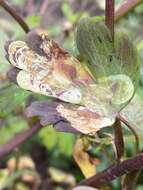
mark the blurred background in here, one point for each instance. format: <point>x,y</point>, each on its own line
<point>45,161</point>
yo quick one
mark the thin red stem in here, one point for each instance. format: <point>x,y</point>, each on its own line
<point>109,15</point>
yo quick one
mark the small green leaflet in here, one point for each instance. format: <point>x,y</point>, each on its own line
<point>105,58</point>
<point>133,113</point>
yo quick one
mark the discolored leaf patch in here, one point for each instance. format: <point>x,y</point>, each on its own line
<point>86,103</point>
<point>68,118</point>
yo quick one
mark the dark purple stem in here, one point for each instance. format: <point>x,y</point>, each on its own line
<point>111,173</point>
<point>18,140</point>
<point>14,14</point>
<point>118,139</point>
<point>109,15</point>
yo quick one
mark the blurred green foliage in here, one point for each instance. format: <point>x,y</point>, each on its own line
<point>50,139</point>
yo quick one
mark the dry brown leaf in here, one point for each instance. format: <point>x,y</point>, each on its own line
<point>83,160</point>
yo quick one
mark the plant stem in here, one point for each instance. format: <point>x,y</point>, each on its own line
<point>111,173</point>
<point>125,7</point>
<point>118,139</point>
<point>18,140</point>
<point>43,7</point>
<point>109,15</point>
<point>132,130</point>
<point>131,178</point>
<point>30,6</point>
<point>14,14</point>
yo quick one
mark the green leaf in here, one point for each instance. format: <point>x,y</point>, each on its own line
<point>17,2</point>
<point>14,125</point>
<point>67,11</point>
<point>103,57</point>
<point>11,97</point>
<point>94,43</point>
<point>133,113</point>
<point>51,138</point>
<point>127,56</point>
<point>33,21</point>
<point>114,65</point>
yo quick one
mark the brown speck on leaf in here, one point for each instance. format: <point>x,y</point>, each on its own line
<point>88,114</point>
<point>68,70</point>
<point>114,87</point>
<point>57,52</point>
